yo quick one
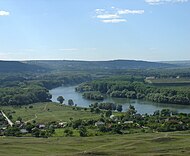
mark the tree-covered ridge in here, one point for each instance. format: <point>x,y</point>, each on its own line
<point>89,65</point>
<point>134,89</point>
<point>15,66</point>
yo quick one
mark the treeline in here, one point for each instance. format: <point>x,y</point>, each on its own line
<point>27,88</point>
<point>22,95</point>
<point>138,90</point>
<point>49,81</point>
<point>93,95</point>
<point>107,106</point>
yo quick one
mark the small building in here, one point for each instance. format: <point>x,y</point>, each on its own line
<point>41,126</point>
<point>113,117</point>
<point>150,78</point>
<point>18,122</point>
<point>128,122</point>
<point>62,124</point>
<point>99,123</point>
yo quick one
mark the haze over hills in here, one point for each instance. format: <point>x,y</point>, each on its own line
<point>44,65</point>
<point>185,63</point>
<point>16,66</point>
<point>88,65</point>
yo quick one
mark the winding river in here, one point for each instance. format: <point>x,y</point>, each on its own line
<point>140,105</point>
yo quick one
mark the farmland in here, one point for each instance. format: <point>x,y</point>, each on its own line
<point>169,81</point>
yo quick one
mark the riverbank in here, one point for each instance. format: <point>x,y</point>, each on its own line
<point>142,107</point>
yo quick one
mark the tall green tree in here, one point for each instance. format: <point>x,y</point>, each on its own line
<point>60,99</point>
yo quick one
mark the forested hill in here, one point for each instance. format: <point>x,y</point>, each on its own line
<point>89,65</point>
<point>15,66</point>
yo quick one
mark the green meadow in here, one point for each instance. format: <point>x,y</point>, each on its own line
<point>146,144</point>
<point>47,112</point>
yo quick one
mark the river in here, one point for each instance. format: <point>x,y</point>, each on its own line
<point>141,106</point>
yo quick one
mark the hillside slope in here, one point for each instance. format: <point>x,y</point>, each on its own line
<point>89,65</point>
<point>15,66</point>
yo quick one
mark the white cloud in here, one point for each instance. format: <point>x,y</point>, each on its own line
<point>124,12</point>
<point>4,13</point>
<point>114,20</point>
<point>107,16</point>
<point>99,11</point>
<point>156,2</point>
<point>115,15</point>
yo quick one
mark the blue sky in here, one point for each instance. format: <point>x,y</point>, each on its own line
<point>152,30</point>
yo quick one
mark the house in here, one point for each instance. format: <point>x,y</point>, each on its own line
<point>99,123</point>
<point>41,126</point>
<point>62,124</point>
<point>113,117</point>
<point>128,122</point>
<point>150,78</point>
<point>18,122</point>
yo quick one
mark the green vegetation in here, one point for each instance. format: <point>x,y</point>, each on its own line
<point>48,112</point>
<point>94,65</point>
<point>137,89</point>
<point>21,89</point>
<point>15,66</point>
<point>60,99</point>
<point>172,143</point>
<point>46,128</point>
<point>76,121</point>
<point>25,94</point>
<point>100,132</point>
<point>93,95</point>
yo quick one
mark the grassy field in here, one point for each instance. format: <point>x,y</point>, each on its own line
<point>148,144</point>
<point>169,81</point>
<point>45,112</point>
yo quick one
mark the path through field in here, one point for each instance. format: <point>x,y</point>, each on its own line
<point>8,120</point>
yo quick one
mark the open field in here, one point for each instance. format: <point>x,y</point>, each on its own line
<point>46,112</point>
<point>169,81</point>
<point>149,144</point>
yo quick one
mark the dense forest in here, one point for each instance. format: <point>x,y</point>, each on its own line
<point>27,88</point>
<point>136,88</point>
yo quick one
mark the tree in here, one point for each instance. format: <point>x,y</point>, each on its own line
<point>83,132</point>
<point>68,132</point>
<point>60,99</point>
<point>119,108</point>
<point>97,110</point>
<point>70,102</point>
<point>108,113</point>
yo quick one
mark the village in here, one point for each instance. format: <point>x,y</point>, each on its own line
<point>109,122</point>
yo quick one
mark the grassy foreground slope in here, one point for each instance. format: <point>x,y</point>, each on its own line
<point>173,144</point>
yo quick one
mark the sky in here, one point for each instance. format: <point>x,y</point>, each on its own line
<point>151,30</point>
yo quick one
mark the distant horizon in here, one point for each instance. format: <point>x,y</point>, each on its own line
<point>98,60</point>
